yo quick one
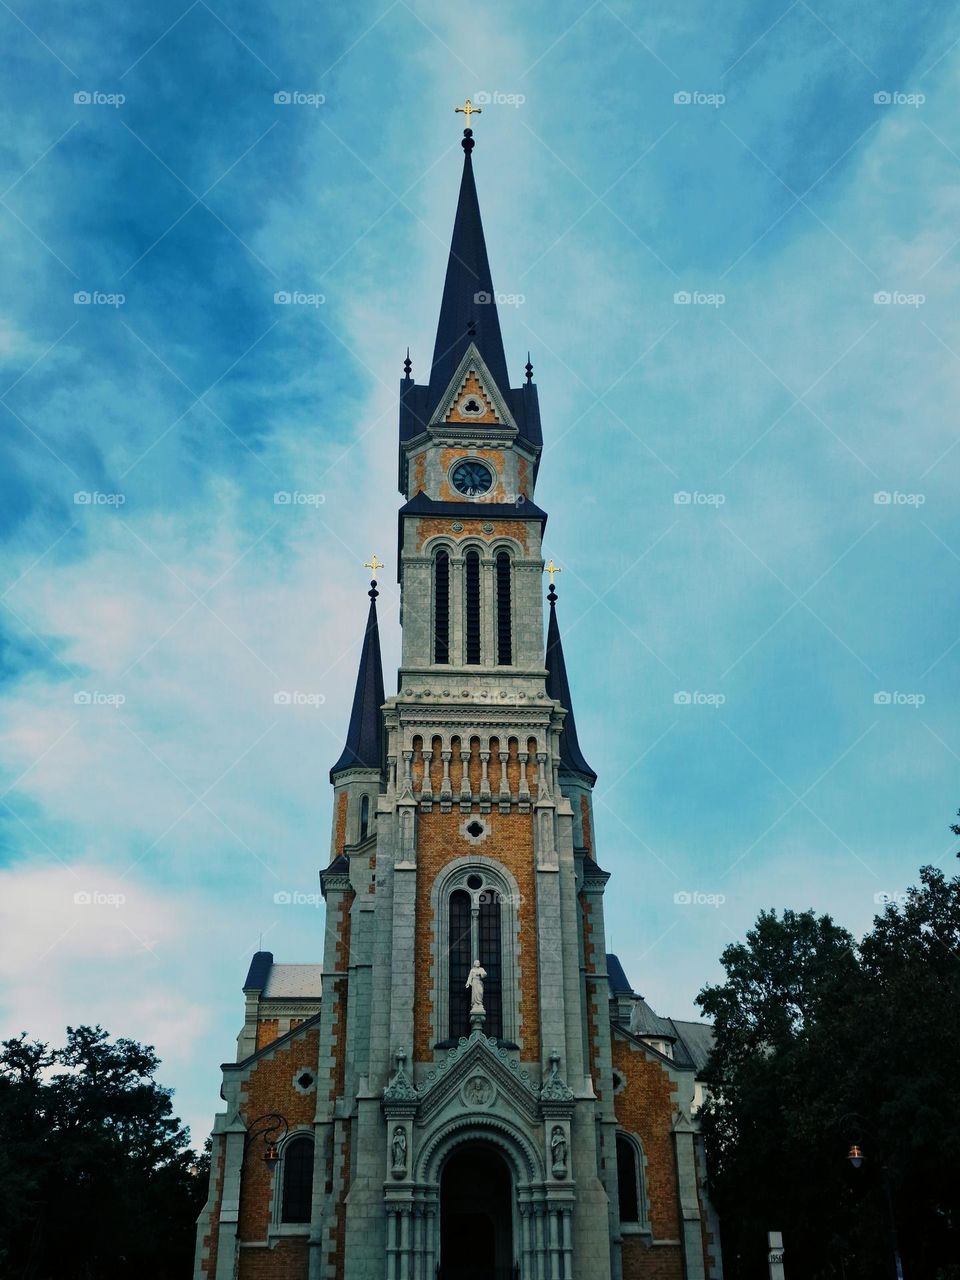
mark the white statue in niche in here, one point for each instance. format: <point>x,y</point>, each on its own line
<point>475,982</point>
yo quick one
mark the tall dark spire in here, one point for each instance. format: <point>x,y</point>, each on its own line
<point>364,747</point>
<point>468,310</point>
<point>558,687</point>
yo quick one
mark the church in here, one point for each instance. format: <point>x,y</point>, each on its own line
<point>467,1087</point>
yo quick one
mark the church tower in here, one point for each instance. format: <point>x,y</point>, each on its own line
<point>476,1092</point>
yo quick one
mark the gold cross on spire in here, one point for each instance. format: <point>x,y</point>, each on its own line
<point>468,109</point>
<point>374,564</point>
<point>552,568</point>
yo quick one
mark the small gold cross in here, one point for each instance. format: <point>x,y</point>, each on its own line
<point>552,568</point>
<point>374,564</point>
<point>468,110</point>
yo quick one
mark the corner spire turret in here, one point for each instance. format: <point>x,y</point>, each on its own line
<point>558,687</point>
<point>364,747</point>
<point>468,309</point>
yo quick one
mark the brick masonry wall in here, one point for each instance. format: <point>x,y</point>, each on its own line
<point>338,994</point>
<point>432,526</point>
<point>211,1241</point>
<point>640,1262</point>
<point>645,1106</point>
<point>340,826</point>
<point>289,1260</point>
<point>590,968</point>
<point>510,843</point>
<point>270,1089</point>
<point>267,1031</point>
<point>585,823</point>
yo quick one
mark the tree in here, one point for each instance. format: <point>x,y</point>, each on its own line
<point>812,1028</point>
<point>97,1180</point>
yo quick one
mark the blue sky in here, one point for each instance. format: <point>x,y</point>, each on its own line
<point>783,597</point>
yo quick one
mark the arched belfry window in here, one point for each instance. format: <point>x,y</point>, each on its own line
<point>472,610</point>
<point>504,611</point>
<point>441,607</point>
<point>475,934</point>
<point>297,1192</point>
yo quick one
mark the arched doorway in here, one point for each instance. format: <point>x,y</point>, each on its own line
<point>476,1216</point>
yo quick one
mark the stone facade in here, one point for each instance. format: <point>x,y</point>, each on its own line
<point>465,792</point>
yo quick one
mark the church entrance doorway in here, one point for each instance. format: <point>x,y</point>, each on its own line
<point>476,1217</point>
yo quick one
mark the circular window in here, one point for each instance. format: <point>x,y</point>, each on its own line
<point>472,478</point>
<point>474,882</point>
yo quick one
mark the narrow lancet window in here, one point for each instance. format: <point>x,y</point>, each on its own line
<point>297,1180</point>
<point>504,618</point>
<point>491,959</point>
<point>460,961</point>
<point>441,607</point>
<point>472,574</point>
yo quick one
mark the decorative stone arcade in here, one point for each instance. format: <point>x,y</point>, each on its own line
<point>479,1099</point>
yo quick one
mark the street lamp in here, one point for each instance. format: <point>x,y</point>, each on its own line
<point>856,1158</point>
<point>273,1131</point>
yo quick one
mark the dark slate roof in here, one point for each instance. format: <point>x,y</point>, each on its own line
<point>523,402</point>
<point>464,320</point>
<point>259,971</point>
<point>645,1022</point>
<point>616,977</point>
<point>421,505</point>
<point>558,687</point>
<point>468,311</point>
<point>698,1039</point>
<point>364,745</point>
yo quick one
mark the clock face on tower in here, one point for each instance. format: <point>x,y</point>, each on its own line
<point>472,478</point>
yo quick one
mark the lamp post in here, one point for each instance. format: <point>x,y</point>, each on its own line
<point>856,1157</point>
<point>273,1132</point>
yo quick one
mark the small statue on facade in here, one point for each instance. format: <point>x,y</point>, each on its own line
<point>399,1147</point>
<point>475,982</point>
<point>558,1147</point>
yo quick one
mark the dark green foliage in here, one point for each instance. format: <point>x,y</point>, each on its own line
<point>811,1027</point>
<point>96,1178</point>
